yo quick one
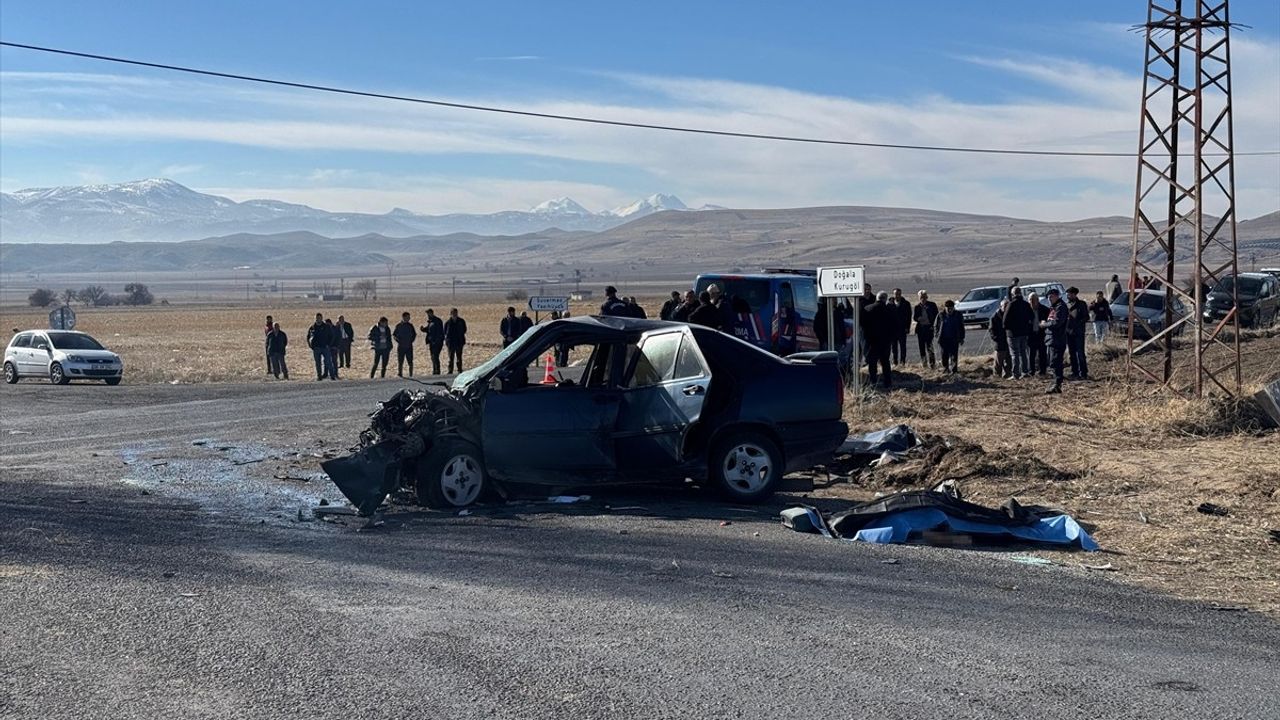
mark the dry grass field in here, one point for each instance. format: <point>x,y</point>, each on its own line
<point>1131,463</point>
<point>221,343</point>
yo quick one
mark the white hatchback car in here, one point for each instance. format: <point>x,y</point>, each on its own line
<point>61,356</point>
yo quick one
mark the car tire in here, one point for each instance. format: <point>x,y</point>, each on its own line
<point>10,373</point>
<point>57,376</point>
<point>745,466</point>
<point>451,475</point>
<point>113,381</point>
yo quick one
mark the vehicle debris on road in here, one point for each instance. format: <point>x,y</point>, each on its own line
<point>1211,509</point>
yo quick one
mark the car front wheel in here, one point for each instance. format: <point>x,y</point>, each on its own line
<point>57,376</point>
<point>746,466</point>
<point>451,475</point>
<point>10,373</point>
<point>113,381</point>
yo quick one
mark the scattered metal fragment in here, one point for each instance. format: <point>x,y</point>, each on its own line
<point>1211,509</point>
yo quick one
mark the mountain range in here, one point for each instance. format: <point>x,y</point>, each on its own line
<point>164,210</point>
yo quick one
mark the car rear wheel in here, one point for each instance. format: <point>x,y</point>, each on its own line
<point>10,373</point>
<point>57,376</point>
<point>746,466</point>
<point>451,475</point>
<point>113,381</point>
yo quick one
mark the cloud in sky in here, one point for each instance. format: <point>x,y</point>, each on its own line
<point>1075,106</point>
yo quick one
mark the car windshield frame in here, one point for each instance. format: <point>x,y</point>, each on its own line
<point>79,341</point>
<point>1246,283</point>
<point>465,378</point>
<point>998,294</point>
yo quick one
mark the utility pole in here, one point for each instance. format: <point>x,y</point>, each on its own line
<point>1185,197</point>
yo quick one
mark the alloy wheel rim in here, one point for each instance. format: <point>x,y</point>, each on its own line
<point>747,468</point>
<point>460,480</point>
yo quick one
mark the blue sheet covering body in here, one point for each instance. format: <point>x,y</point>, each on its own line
<point>897,527</point>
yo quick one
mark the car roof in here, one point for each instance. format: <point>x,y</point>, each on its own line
<point>779,275</point>
<point>1151,291</point>
<point>1256,275</point>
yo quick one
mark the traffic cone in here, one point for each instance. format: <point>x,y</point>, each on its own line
<point>550,377</point>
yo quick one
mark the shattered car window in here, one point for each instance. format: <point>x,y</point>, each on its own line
<point>655,360</point>
<point>466,378</point>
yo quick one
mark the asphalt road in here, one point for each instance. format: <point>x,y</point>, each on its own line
<point>152,564</point>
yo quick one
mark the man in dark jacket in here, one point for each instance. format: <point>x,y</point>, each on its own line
<point>1019,319</point>
<point>1078,314</point>
<point>525,324</point>
<point>346,334</point>
<point>380,342</point>
<point>925,315</point>
<point>682,311</point>
<point>509,328</point>
<point>318,341</point>
<point>335,340</point>
<point>1037,355</point>
<point>612,305</point>
<point>267,331</point>
<point>902,311</point>
<point>277,341</point>
<point>706,313</point>
<point>455,338</point>
<point>404,335</point>
<point>723,305</point>
<point>950,335</point>
<point>1056,328</point>
<point>880,328</point>
<point>634,310</point>
<point>668,310</point>
<point>433,332</point>
<point>996,329</point>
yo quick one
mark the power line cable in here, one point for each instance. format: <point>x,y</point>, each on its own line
<point>584,119</point>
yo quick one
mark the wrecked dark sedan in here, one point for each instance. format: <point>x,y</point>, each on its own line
<point>635,401</point>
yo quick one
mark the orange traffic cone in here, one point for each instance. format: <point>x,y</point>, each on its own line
<point>550,377</point>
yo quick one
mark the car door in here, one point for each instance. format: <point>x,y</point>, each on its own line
<point>664,391</point>
<point>19,350</point>
<point>39,355</point>
<point>554,433</point>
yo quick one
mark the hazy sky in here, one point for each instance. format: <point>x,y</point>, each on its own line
<point>1000,73</point>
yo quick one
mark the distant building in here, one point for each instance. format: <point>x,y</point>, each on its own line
<point>580,295</point>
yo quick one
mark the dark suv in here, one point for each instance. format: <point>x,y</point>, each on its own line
<point>634,401</point>
<point>1259,295</point>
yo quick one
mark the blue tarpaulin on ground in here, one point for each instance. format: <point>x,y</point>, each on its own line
<point>897,527</point>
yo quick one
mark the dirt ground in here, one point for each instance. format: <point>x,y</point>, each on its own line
<point>1129,463</point>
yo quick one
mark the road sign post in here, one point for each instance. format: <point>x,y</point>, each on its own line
<point>62,318</point>
<point>845,282</point>
<point>548,303</point>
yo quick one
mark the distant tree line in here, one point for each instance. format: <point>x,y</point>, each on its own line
<point>93,296</point>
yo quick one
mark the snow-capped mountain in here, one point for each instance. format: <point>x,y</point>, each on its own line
<point>648,206</point>
<point>163,210</point>
<point>560,206</point>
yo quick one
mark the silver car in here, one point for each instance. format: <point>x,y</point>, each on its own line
<point>60,356</point>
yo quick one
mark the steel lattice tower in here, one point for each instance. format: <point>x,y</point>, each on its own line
<point>1185,210</point>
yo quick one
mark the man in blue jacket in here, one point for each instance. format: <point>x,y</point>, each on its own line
<point>1056,328</point>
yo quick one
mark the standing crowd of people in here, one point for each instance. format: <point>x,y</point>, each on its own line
<point>1030,336</point>
<point>330,342</point>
